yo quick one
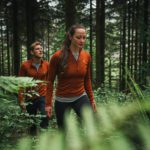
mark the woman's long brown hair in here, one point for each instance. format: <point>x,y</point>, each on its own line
<point>66,45</point>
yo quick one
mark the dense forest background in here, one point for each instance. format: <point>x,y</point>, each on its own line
<point>118,36</point>
<point>118,39</point>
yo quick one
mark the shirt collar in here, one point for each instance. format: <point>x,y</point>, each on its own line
<point>33,63</point>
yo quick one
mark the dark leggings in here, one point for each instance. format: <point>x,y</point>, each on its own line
<point>62,107</point>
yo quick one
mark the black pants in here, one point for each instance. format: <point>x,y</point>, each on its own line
<point>62,107</point>
<point>33,107</point>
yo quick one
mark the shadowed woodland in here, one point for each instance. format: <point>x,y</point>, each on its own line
<point>118,39</point>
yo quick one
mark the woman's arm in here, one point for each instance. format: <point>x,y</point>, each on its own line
<point>88,86</point>
<point>52,72</point>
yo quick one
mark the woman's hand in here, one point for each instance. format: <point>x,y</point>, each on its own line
<point>48,110</point>
<point>94,106</point>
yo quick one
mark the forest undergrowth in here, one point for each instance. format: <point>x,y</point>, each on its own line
<point>121,122</point>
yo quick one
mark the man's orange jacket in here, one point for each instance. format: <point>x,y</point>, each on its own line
<point>27,69</point>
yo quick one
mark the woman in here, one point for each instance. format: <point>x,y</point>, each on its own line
<point>71,65</point>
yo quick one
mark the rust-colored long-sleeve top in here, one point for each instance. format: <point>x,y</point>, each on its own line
<point>74,81</point>
<point>27,69</point>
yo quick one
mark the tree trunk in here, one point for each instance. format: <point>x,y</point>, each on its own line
<point>100,42</point>
<point>16,51</point>
<point>70,10</point>
<point>123,52</point>
<point>136,62</point>
<point>2,52</point>
<point>145,51</point>
<point>129,41</point>
<point>30,24</point>
<point>109,72</point>
<point>91,37</point>
<point>132,37</point>
<point>8,49</point>
<point>48,40</point>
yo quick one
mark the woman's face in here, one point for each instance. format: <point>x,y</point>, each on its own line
<point>78,39</point>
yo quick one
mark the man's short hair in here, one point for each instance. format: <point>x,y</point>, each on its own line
<point>34,44</point>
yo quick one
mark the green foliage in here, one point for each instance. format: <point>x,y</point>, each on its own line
<point>105,96</point>
<point>13,123</point>
<point>12,84</point>
<point>118,124</point>
<point>113,127</point>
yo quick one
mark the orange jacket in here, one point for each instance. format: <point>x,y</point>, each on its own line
<point>75,80</point>
<point>27,69</point>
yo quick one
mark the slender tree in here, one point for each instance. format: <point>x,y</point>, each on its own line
<point>30,15</point>
<point>129,36</point>
<point>145,50</point>
<point>16,51</point>
<point>136,61</point>
<point>91,35</point>
<point>70,13</point>
<point>2,49</point>
<point>123,51</point>
<point>8,47</point>
<point>100,41</point>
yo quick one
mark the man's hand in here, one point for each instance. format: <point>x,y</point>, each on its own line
<point>23,108</point>
<point>48,110</point>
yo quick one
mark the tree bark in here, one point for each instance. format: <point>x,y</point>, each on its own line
<point>70,13</point>
<point>16,51</point>
<point>100,42</point>
<point>123,52</point>
<point>30,24</point>
<point>91,37</point>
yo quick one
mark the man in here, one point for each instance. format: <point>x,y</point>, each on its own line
<point>38,69</point>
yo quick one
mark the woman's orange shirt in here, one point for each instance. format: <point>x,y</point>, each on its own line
<point>74,81</point>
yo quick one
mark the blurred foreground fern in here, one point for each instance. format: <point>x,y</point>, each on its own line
<point>115,126</point>
<point>13,123</point>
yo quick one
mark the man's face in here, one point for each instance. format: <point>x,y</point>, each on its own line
<point>37,51</point>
